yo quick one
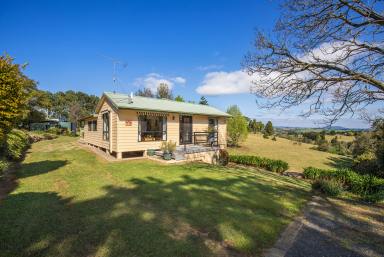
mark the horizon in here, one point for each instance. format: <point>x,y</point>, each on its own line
<point>195,47</point>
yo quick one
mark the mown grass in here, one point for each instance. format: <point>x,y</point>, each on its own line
<point>71,203</point>
<point>298,156</point>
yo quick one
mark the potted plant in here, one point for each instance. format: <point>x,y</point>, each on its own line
<point>151,152</point>
<point>168,148</point>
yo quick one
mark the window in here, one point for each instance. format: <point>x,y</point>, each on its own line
<point>152,128</point>
<point>212,125</point>
<point>106,126</point>
<point>92,125</point>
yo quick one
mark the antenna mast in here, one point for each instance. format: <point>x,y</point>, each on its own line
<point>115,64</point>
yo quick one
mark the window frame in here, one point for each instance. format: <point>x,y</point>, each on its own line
<point>106,126</point>
<point>164,125</point>
<point>92,125</point>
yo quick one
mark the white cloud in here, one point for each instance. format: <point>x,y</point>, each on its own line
<point>236,82</point>
<point>331,52</point>
<point>153,80</point>
<point>225,83</point>
<point>179,80</point>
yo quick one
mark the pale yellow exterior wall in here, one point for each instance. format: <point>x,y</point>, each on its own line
<point>96,137</point>
<point>124,130</point>
<point>127,136</point>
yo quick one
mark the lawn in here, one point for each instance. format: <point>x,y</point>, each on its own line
<point>69,202</point>
<point>297,155</point>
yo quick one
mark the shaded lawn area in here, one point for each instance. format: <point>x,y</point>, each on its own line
<point>297,156</point>
<point>71,203</point>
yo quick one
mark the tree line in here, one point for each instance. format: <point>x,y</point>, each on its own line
<point>163,91</point>
<point>22,103</point>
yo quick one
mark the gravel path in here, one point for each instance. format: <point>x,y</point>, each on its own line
<point>333,228</point>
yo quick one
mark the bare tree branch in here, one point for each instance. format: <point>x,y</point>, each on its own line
<point>327,53</point>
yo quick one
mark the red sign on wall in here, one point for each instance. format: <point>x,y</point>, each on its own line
<point>128,123</point>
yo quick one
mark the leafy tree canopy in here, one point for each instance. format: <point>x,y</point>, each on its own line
<point>237,126</point>
<point>163,91</point>
<point>16,90</point>
<point>147,92</point>
<point>179,98</point>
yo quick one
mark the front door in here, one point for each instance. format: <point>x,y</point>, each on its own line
<point>185,129</point>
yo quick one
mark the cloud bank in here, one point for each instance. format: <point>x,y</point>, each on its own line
<point>225,83</point>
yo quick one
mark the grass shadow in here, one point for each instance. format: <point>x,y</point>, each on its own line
<point>38,168</point>
<point>340,162</point>
<point>224,216</point>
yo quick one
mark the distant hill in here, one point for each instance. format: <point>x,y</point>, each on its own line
<point>335,128</point>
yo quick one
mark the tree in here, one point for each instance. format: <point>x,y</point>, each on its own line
<point>259,126</point>
<point>203,101</point>
<point>163,91</point>
<point>146,92</point>
<point>15,91</point>
<point>71,105</point>
<point>268,130</point>
<point>39,104</point>
<point>179,98</point>
<point>234,110</point>
<point>255,126</point>
<point>322,50</point>
<point>237,126</point>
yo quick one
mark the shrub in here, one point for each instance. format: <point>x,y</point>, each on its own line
<point>366,163</point>
<point>168,146</point>
<point>223,157</point>
<point>265,136</point>
<point>4,164</point>
<point>16,143</point>
<point>56,131</point>
<point>274,138</point>
<point>268,164</point>
<point>48,136</point>
<point>331,187</point>
<point>368,187</point>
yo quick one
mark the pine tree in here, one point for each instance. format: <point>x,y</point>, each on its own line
<point>203,101</point>
<point>269,129</point>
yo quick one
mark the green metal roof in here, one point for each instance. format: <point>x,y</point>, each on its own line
<point>121,101</point>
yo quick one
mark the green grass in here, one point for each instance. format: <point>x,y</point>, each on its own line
<point>69,202</point>
<point>298,156</point>
<point>343,138</point>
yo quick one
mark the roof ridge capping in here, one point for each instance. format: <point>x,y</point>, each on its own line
<point>165,105</point>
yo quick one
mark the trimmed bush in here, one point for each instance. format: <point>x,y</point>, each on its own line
<point>331,187</point>
<point>16,143</point>
<point>268,164</point>
<point>368,187</point>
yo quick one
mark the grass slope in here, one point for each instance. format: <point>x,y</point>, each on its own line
<point>297,156</point>
<point>71,203</point>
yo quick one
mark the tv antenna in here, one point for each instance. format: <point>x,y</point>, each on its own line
<point>115,64</point>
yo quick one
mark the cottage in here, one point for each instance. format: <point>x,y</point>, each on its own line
<point>126,125</point>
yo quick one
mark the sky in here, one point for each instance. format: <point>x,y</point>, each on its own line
<point>193,46</point>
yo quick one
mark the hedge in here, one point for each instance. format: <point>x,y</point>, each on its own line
<point>265,163</point>
<point>16,143</point>
<point>369,187</point>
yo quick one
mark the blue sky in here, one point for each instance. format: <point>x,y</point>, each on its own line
<point>69,46</point>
